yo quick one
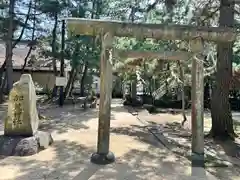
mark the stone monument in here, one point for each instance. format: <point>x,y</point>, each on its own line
<point>21,135</point>
<point>22,116</point>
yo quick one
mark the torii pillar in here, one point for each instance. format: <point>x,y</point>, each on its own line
<point>103,156</point>
<point>197,47</point>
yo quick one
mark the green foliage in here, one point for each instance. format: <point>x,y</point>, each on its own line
<point>52,7</point>
<point>80,50</point>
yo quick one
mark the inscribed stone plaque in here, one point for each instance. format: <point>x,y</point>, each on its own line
<point>22,116</point>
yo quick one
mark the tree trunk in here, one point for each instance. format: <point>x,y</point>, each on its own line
<point>9,45</point>
<point>207,93</point>
<point>144,78</point>
<point>2,87</point>
<point>134,88</point>
<point>72,85</point>
<point>70,82</point>
<point>54,38</point>
<point>33,34</point>
<point>222,123</point>
<point>2,72</point>
<point>83,79</point>
<point>182,92</point>
<point>14,44</point>
<point>207,90</point>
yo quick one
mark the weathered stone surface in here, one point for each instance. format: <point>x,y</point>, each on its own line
<point>24,146</point>
<point>22,116</point>
<point>8,144</point>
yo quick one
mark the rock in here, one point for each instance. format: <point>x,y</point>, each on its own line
<point>44,139</point>
<point>24,146</point>
<point>8,144</point>
<point>22,116</point>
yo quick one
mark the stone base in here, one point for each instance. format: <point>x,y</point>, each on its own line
<point>102,159</point>
<point>24,146</point>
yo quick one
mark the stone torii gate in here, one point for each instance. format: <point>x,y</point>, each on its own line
<point>108,29</point>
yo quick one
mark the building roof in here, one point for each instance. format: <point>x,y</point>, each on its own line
<point>19,54</point>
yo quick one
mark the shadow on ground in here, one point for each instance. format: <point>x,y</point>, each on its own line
<point>220,157</point>
<point>68,159</point>
<point>141,133</point>
<point>71,161</point>
<point>61,119</point>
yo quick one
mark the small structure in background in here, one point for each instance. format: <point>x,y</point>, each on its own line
<point>21,136</point>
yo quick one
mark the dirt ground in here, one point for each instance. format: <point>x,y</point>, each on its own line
<point>139,155</point>
<point>222,158</point>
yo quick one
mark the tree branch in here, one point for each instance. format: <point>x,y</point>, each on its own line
<point>25,24</point>
<point>32,44</point>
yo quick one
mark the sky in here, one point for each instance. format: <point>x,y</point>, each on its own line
<point>45,23</point>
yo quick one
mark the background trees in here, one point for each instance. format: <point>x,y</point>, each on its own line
<point>40,23</point>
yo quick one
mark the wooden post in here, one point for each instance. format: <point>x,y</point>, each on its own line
<point>197,103</point>
<point>103,156</point>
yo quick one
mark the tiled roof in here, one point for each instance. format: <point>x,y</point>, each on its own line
<point>19,54</point>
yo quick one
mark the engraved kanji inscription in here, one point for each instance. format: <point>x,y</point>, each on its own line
<point>17,110</point>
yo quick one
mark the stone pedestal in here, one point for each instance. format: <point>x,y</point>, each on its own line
<point>102,159</point>
<point>24,146</point>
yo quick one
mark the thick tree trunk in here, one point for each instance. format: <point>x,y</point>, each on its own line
<point>222,123</point>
